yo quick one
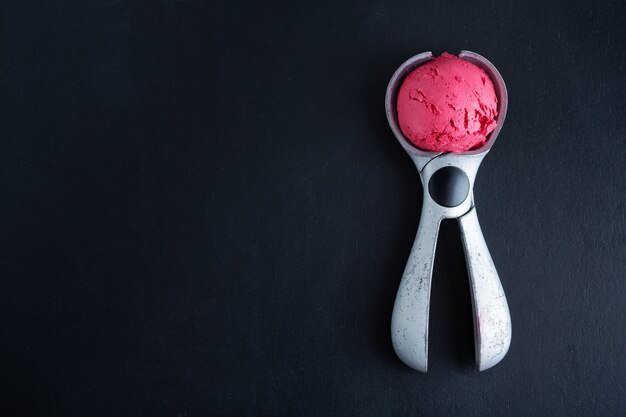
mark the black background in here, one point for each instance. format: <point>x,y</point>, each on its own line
<point>205,212</point>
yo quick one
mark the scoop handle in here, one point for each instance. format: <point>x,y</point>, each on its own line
<point>409,321</point>
<point>492,320</point>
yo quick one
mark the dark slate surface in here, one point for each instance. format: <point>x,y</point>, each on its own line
<point>206,214</point>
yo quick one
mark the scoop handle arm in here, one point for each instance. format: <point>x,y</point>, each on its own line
<point>492,320</point>
<point>409,322</point>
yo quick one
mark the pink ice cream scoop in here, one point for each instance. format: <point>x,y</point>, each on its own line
<point>447,105</point>
<point>446,113</point>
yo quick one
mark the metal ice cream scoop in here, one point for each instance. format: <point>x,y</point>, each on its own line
<point>448,180</point>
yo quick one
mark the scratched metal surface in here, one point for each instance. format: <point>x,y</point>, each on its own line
<point>205,212</point>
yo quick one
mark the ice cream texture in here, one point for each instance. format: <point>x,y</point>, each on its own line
<point>447,105</point>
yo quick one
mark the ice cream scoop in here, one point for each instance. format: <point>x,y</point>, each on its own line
<point>447,104</point>
<point>448,180</point>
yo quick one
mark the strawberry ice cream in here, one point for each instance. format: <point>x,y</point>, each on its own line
<point>447,105</point>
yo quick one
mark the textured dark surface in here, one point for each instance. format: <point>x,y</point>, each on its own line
<point>205,212</point>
